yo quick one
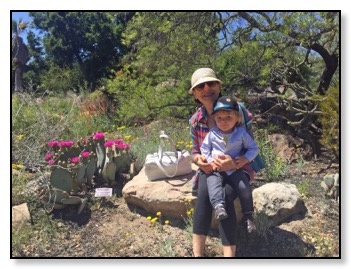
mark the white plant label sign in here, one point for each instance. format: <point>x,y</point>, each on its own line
<point>103,192</point>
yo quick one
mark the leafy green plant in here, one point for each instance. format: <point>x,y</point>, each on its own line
<point>303,187</point>
<point>263,224</point>
<point>330,120</point>
<point>275,166</point>
<point>167,248</point>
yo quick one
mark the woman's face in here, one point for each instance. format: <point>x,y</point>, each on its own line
<point>207,92</point>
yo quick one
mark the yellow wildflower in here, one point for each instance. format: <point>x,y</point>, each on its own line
<point>127,137</point>
<point>149,218</point>
<point>19,137</point>
<point>127,234</point>
<point>19,166</point>
<point>158,214</point>
<point>14,166</point>
<point>166,222</point>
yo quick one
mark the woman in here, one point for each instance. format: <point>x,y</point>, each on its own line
<point>205,87</point>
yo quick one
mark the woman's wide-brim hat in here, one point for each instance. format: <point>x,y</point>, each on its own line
<point>202,75</point>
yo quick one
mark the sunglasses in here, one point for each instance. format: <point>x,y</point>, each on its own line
<point>201,86</point>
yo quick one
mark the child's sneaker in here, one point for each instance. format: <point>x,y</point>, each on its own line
<point>220,212</point>
<point>251,226</point>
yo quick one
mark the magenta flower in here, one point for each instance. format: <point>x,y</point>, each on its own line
<point>109,144</point>
<point>118,141</point>
<point>66,144</point>
<point>99,135</point>
<point>52,144</point>
<point>123,146</point>
<point>85,154</point>
<point>75,160</point>
<point>51,162</point>
<point>48,156</point>
<point>126,146</point>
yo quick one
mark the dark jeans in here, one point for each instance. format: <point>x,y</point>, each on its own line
<point>239,182</point>
<point>203,213</point>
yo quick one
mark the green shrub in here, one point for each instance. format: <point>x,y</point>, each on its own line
<point>275,166</point>
<point>330,119</point>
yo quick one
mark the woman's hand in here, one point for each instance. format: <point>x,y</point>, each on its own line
<point>224,162</point>
<point>241,161</point>
<point>201,162</point>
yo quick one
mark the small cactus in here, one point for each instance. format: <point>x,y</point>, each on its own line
<point>330,184</point>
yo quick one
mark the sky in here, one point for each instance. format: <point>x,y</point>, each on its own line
<point>25,18</point>
<point>38,5</point>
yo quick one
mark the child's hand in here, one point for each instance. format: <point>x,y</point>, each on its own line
<point>241,161</point>
<point>203,164</point>
<point>214,166</point>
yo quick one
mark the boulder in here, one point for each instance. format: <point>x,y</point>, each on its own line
<point>169,196</point>
<point>278,201</point>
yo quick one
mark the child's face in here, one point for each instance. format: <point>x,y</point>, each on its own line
<point>226,120</point>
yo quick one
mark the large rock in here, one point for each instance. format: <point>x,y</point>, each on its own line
<point>169,196</point>
<point>278,201</point>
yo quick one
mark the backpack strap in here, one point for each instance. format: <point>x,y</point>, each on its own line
<point>246,120</point>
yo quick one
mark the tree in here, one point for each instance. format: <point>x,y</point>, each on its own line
<point>303,59</point>
<point>164,49</point>
<point>19,53</point>
<point>90,40</point>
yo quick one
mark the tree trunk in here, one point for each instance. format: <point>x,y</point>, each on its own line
<point>19,59</point>
<point>19,79</point>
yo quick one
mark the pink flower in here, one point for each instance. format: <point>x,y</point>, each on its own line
<point>126,146</point>
<point>51,162</point>
<point>123,146</point>
<point>109,144</point>
<point>66,144</point>
<point>99,135</point>
<point>52,144</point>
<point>75,160</point>
<point>48,156</point>
<point>118,141</point>
<point>85,154</point>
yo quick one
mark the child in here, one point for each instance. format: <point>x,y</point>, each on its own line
<point>230,139</point>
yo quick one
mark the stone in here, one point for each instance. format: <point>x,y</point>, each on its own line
<point>278,201</point>
<point>20,213</point>
<point>169,196</point>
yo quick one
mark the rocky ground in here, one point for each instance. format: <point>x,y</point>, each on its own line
<point>111,228</point>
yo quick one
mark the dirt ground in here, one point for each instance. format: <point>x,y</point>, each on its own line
<point>111,228</point>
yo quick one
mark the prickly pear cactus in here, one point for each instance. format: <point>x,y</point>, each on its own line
<point>330,184</point>
<point>54,198</point>
<point>118,158</point>
<point>74,167</point>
